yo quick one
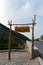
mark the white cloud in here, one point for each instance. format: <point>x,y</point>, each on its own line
<point>41,11</point>
<point>2,11</point>
<point>24,12</point>
<point>17,15</point>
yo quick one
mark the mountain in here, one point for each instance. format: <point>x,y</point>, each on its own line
<point>16,38</point>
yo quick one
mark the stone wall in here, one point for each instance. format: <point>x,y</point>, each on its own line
<point>29,49</point>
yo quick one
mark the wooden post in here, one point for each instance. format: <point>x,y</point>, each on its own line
<point>33,41</point>
<point>9,45</point>
<point>33,36</point>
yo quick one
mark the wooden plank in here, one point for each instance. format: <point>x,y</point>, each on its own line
<point>22,29</point>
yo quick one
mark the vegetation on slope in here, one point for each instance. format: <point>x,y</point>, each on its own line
<point>16,38</point>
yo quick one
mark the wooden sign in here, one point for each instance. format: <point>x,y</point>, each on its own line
<point>22,29</point>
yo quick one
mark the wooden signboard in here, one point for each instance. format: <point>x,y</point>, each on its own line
<point>22,29</point>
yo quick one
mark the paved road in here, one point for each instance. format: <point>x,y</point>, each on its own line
<point>17,58</point>
<point>39,45</point>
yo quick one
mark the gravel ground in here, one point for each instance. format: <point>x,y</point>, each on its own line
<point>17,58</point>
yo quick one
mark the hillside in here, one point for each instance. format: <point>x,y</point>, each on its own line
<point>37,39</point>
<point>16,38</point>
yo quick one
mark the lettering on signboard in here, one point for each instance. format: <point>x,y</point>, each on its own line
<point>22,29</point>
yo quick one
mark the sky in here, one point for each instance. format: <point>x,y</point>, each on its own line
<point>22,11</point>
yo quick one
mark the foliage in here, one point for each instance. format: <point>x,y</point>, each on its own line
<point>16,38</point>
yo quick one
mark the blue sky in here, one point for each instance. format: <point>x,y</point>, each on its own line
<point>22,11</point>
